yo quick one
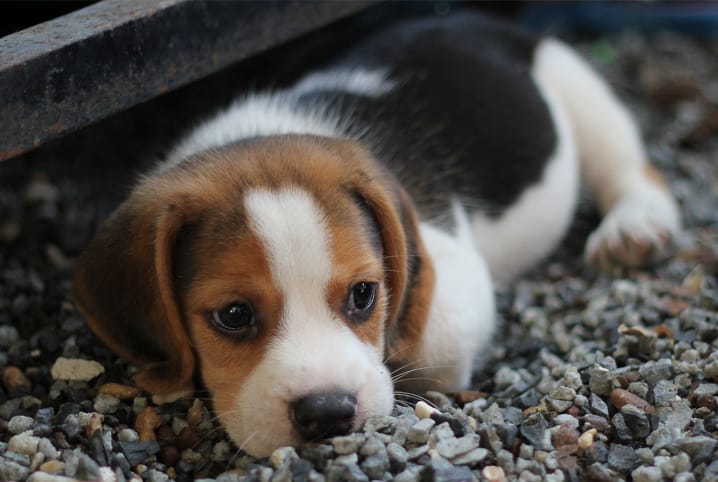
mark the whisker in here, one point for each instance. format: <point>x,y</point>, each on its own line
<point>401,376</point>
<point>428,379</point>
<point>406,365</point>
<point>396,354</point>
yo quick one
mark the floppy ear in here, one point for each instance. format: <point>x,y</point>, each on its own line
<point>409,270</point>
<point>124,289</point>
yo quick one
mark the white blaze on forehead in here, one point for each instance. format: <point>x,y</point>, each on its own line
<point>296,239</point>
<point>314,351</point>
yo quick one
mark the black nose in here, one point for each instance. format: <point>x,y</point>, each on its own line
<point>324,414</point>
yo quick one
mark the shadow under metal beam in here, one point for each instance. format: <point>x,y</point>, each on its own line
<point>64,74</point>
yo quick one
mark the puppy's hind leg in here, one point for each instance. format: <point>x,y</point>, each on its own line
<point>640,216</point>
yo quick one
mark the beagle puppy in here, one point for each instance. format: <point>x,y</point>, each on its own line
<point>307,249</point>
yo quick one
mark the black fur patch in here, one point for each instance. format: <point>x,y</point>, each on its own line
<point>465,118</point>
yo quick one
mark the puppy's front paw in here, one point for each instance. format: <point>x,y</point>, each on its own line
<point>637,231</point>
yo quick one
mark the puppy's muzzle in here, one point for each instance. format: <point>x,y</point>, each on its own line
<point>322,415</point>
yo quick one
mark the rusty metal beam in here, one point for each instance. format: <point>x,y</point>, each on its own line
<point>61,75</point>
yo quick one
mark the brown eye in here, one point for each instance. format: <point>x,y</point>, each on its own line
<point>360,301</point>
<point>235,319</point>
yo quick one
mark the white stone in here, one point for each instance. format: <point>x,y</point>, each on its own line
<point>43,477</point>
<point>76,369</point>
<point>24,443</point>
<point>424,410</point>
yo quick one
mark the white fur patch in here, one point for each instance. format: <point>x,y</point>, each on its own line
<point>641,216</point>
<point>461,318</point>
<point>609,143</point>
<point>313,350</point>
<point>278,113</point>
<point>358,81</point>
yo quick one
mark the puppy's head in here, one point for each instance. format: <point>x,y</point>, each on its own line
<point>278,268</point>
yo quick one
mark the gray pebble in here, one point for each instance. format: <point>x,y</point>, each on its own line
<point>153,475</point>
<point>554,477</point>
<point>507,434</point>
<point>598,406</point>
<point>572,379</point>
<point>419,432</point>
<point>526,451</point>
<point>128,435</point>
<point>529,398</point>
<point>646,455</point>
<point>505,377</point>
<point>403,425</point>
<point>315,476</point>
<point>377,424</point>
<point>412,474</point>
<point>622,458</point>
<point>282,456</point>
<point>352,473</point>
<point>601,380</point>
<point>9,407</point>
<point>528,476</point>
<point>47,449</point>
<point>439,470</point>
<point>664,392</point>
<point>706,389</point>
<point>505,460</point>
<point>417,452</point>
<point>348,444</point>
<point>559,405</point>
<point>700,448</point>
<point>318,455</point>
<point>300,469</point>
<point>620,429</point>
<point>397,456</point>
<point>373,445</point>
<point>441,432</point>
<point>647,474</point>
<point>512,415</point>
<point>453,447</point>
<point>533,429</point>
<point>19,424</point>
<point>81,466</point>
<point>190,456</point>
<point>12,470</point>
<point>106,403</point>
<point>636,420</point>
<point>638,388</point>
<point>564,394</point>
<point>471,458</point>
<point>677,416</point>
<point>653,372</point>
<point>22,459</point>
<point>345,460</point>
<point>8,336</point>
<point>375,466</point>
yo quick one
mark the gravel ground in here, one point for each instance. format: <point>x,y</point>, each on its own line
<point>593,378</point>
